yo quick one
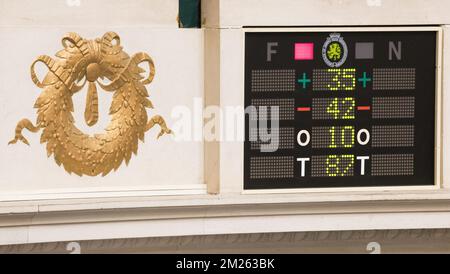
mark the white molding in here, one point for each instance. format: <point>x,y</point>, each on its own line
<point>339,189</point>
<point>445,108</point>
<point>439,114</point>
<point>104,192</point>
<point>97,230</point>
<point>343,29</point>
<point>96,203</point>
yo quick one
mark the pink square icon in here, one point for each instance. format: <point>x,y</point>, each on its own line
<point>304,51</point>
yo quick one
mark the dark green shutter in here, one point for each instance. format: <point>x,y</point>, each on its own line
<point>189,13</point>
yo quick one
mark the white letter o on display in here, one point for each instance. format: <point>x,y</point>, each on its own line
<point>299,138</point>
<point>367,137</point>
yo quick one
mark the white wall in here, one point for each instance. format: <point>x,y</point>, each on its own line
<point>238,13</point>
<point>106,13</point>
<point>32,28</point>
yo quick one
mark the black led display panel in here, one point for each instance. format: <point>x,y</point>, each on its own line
<point>339,109</point>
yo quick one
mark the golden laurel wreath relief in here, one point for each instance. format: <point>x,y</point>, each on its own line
<point>92,60</point>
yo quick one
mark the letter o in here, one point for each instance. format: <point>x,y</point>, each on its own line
<point>367,137</point>
<point>299,137</point>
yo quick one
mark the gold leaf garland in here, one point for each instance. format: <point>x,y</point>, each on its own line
<point>101,58</point>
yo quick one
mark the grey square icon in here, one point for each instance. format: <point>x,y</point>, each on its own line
<point>364,50</point>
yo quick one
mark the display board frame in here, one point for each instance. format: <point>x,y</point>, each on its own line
<point>438,106</point>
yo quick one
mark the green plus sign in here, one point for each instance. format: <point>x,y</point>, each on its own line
<point>304,81</point>
<point>364,79</point>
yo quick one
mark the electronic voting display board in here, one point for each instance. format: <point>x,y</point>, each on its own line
<point>339,109</point>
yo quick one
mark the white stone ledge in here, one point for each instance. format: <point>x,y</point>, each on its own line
<point>23,234</point>
<point>113,218</point>
<point>238,13</point>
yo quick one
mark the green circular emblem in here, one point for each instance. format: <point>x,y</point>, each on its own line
<point>334,50</point>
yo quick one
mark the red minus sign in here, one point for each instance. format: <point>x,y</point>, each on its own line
<point>364,108</point>
<point>304,109</point>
